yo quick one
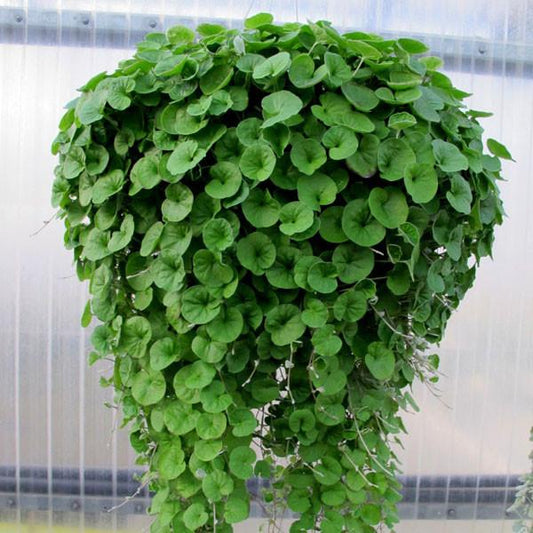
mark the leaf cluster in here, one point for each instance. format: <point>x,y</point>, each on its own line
<point>275,222</point>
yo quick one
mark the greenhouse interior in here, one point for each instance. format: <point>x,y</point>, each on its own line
<point>67,461</point>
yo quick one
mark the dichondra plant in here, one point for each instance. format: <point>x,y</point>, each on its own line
<point>275,224</point>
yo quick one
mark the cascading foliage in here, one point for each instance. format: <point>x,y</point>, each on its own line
<point>275,224</point>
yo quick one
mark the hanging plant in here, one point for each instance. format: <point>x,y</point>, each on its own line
<point>275,224</point>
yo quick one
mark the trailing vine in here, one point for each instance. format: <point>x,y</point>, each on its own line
<point>275,224</point>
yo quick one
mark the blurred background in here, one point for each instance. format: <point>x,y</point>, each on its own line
<point>63,461</point>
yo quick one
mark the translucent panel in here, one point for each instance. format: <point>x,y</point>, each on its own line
<point>52,414</point>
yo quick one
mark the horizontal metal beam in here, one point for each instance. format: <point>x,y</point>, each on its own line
<point>123,30</point>
<point>98,490</point>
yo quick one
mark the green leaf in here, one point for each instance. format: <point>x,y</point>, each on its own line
<point>307,155</point>
<point>258,20</point>
<point>365,161</point>
<point>499,150</point>
<point>272,67</point>
<point>216,485</point>
<point>211,425</point>
<point>243,422</point>
<point>195,376</point>
<point>338,71</point>
<point>179,417</point>
<point>217,235</point>
<point>302,72</point>
<point>380,361</point>
<point>428,105</point>
<point>121,238</point>
<point>214,398</point>
<point>199,306</point>
<point>135,336</point>
<point>180,35</point>
<point>227,326</point>
<point>207,349</point>
<point>260,209</point>
<point>256,252</point>
<point>360,226</point>
<point>350,306</point>
<point>171,461</point>
<point>164,352</point>
<point>279,106</point>
<point>236,509</point>
<point>328,471</point>
<point>257,162</point>
<point>389,206</point>
<point>460,194</point>
<point>241,461</point>
<point>341,141</point>
<point>448,157</point>
<point>209,270</point>
<point>361,97</point>
<point>284,323</point>
<point>315,313</point>
<point>295,217</point>
<point>322,277</point>
<point>178,203</point>
<point>177,236</point>
<point>148,388</point>
<point>371,514</point>
<point>145,172</point>
<point>74,163</point>
<point>249,131</point>
<point>401,121</point>
<point>399,279</point>
<point>353,263</point>
<point>96,245</point>
<point>331,225</point>
<point>96,159</point>
<point>421,182</point>
<point>151,239</point>
<point>185,157</point>
<point>394,155</point>
<point>107,186</point>
<point>168,270</point>
<point>325,341</point>
<point>175,120</point>
<point>412,46</point>
<point>216,78</point>
<point>195,516</point>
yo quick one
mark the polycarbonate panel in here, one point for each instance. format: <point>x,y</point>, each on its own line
<point>52,410</point>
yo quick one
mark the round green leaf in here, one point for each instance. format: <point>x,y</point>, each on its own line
<point>322,277</point>
<point>214,398</point>
<point>217,234</point>
<point>207,349</point>
<point>307,155</point>
<point>325,341</point>
<point>257,162</point>
<point>236,509</point>
<point>199,306</point>
<point>315,313</point>
<point>209,271</point>
<point>284,323</point>
<point>216,485</point>
<point>331,229</point>
<point>260,209</point>
<point>279,106</point>
<point>341,141</point>
<point>121,238</point>
<point>151,239</point>
<point>227,326</point>
<point>195,516</point>
<point>211,425</point>
<point>388,206</point>
<point>179,417</point>
<point>448,157</point>
<point>380,361</point>
<point>421,182</point>
<point>303,74</point>
<point>226,180</point>
<point>107,186</point>
<point>394,155</point>
<point>316,190</point>
<point>256,252</point>
<point>185,157</point>
<point>353,263</point>
<point>360,226</point>
<point>168,270</point>
<point>145,172</point>
<point>460,194</point>
<point>135,336</point>
<point>148,388</point>
<point>178,203</point>
<point>241,460</point>
<point>295,217</point>
<point>328,472</point>
<point>350,306</point>
<point>164,352</point>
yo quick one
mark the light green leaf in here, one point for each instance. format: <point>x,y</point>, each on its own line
<point>389,206</point>
<point>164,352</point>
<point>227,326</point>
<point>401,121</point>
<point>121,238</point>
<point>211,425</point>
<point>216,78</point>
<point>195,516</point>
<point>257,162</point>
<point>151,238</point>
<point>361,97</point>
<point>107,186</point>
<point>260,209</point>
<point>74,163</point>
<point>175,120</point>
<point>279,106</point>
<point>145,172</point>
<point>96,245</point>
<point>284,323</point>
<point>341,141</point>
<point>302,72</point>
<point>460,194</point>
<point>380,361</point>
<point>185,157</point>
<point>315,313</point>
<point>199,306</point>
<point>135,336</point>
<point>272,67</point>
<point>328,471</point>
<point>96,159</point>
<point>353,263</point>
<point>322,277</point>
<point>217,234</point>
<point>498,149</point>
<point>421,182</point>
<point>179,417</point>
<point>325,341</point>
<point>448,157</point>
<point>256,252</point>
<point>360,226</point>
<point>236,509</point>
<point>350,306</point>
<point>241,461</point>
<point>295,217</point>
<point>394,155</point>
<point>148,388</point>
<point>338,71</point>
<point>168,270</point>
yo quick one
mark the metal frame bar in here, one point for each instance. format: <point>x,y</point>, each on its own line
<point>123,30</point>
<point>424,497</point>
